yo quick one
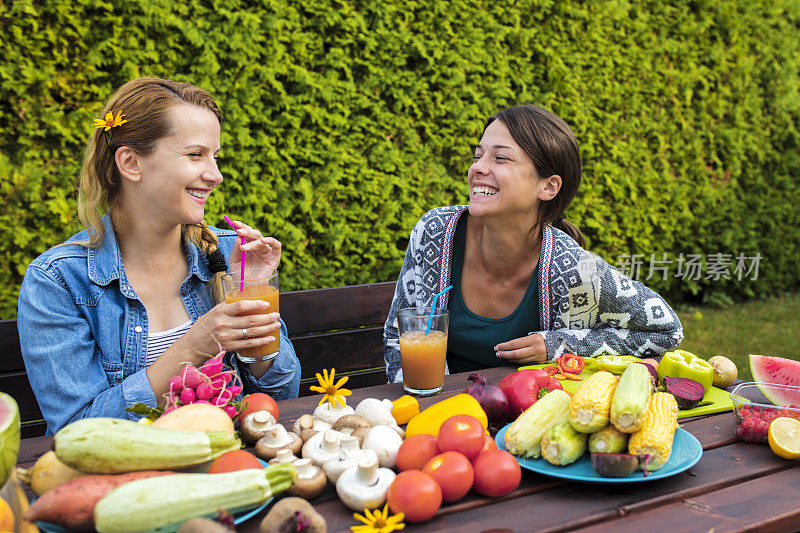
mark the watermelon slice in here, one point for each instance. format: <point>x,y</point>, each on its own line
<point>9,436</point>
<point>779,371</point>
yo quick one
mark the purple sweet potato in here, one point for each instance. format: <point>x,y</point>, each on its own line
<point>71,504</point>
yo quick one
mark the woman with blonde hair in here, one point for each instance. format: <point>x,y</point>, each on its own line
<point>106,318</point>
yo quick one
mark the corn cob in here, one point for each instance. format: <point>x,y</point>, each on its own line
<point>629,404</point>
<point>524,436</point>
<point>561,444</point>
<point>608,440</point>
<point>591,404</point>
<point>658,431</point>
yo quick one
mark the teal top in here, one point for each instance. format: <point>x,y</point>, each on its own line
<point>471,338</point>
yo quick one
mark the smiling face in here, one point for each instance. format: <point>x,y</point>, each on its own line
<point>502,178</point>
<point>172,184</point>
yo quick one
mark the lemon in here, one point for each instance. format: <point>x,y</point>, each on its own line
<point>784,437</point>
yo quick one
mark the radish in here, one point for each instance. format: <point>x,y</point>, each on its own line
<point>235,390</point>
<point>170,408</point>
<point>204,391</point>
<point>175,384</point>
<point>218,383</point>
<point>192,377</point>
<point>231,410</point>
<point>213,366</point>
<point>188,396</point>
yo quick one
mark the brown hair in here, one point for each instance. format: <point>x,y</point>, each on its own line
<point>552,147</point>
<point>145,103</point>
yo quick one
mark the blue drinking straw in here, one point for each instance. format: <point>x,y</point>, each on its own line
<point>433,308</point>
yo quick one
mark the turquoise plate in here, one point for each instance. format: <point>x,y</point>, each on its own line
<point>686,451</point>
<point>238,518</point>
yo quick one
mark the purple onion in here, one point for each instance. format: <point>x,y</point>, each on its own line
<point>492,399</point>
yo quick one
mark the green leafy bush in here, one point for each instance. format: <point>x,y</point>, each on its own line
<point>345,121</point>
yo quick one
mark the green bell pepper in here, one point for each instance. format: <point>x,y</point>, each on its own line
<point>683,364</point>
<point>616,364</point>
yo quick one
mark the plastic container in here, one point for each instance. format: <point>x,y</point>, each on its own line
<point>753,412</point>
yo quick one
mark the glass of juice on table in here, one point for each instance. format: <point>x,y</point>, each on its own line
<point>423,354</point>
<point>264,288</point>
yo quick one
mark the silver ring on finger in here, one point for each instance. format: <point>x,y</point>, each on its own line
<point>244,333</point>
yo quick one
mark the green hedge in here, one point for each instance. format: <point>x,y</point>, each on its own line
<point>345,121</point>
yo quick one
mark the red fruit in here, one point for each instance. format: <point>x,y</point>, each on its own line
<point>453,472</point>
<point>461,433</point>
<point>187,396</point>
<point>497,473</point>
<point>234,460</point>
<point>415,451</point>
<point>259,401</point>
<point>415,494</point>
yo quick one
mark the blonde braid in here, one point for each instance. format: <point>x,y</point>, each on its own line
<point>207,242</point>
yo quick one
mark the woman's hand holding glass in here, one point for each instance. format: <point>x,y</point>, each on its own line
<point>262,254</point>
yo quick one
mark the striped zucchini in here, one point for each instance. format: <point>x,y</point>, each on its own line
<point>112,445</point>
<point>164,503</point>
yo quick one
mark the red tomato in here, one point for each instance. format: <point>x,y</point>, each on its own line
<point>488,444</point>
<point>416,451</point>
<point>415,494</point>
<point>453,472</point>
<point>496,473</point>
<point>259,401</point>
<point>461,433</point>
<point>234,460</point>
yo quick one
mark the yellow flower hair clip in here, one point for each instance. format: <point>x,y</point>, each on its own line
<point>110,121</point>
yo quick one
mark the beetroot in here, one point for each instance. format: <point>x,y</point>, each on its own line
<point>687,392</point>
<point>653,374</point>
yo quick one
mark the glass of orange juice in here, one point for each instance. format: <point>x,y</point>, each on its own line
<point>264,288</point>
<point>423,354</point>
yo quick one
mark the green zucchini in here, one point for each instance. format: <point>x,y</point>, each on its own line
<point>164,503</point>
<point>112,445</point>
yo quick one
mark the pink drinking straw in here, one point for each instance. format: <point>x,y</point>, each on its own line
<point>241,275</point>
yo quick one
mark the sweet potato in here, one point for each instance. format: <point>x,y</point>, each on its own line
<point>71,504</point>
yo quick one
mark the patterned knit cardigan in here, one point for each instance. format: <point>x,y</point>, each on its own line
<point>586,306</point>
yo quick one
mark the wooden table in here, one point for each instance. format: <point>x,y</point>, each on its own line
<point>736,486</point>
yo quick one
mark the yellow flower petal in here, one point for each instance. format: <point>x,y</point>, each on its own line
<point>361,518</point>
<point>317,389</point>
<point>333,371</point>
<point>109,117</point>
<point>323,400</point>
<point>344,392</point>
<point>320,379</point>
<point>342,382</point>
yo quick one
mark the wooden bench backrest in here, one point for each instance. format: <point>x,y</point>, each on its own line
<point>339,328</point>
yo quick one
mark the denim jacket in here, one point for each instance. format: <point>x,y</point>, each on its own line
<point>83,332</point>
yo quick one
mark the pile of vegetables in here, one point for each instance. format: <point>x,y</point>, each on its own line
<point>619,420</point>
<point>116,475</point>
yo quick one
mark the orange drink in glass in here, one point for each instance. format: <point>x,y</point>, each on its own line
<point>265,289</point>
<point>422,354</point>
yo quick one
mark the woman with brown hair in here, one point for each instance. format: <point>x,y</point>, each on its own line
<point>524,290</point>
<point>108,317</point>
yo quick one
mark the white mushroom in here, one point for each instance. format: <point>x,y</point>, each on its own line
<point>284,456</point>
<point>309,480</point>
<point>376,412</point>
<point>254,425</point>
<point>364,486</point>
<point>277,438</point>
<point>385,442</point>
<point>349,453</point>
<point>354,425</point>
<point>309,425</point>
<point>331,414</point>
<point>322,446</point>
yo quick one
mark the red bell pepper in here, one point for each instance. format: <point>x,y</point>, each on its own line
<point>524,387</point>
<point>571,364</point>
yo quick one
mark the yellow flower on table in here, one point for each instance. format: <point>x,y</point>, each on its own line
<point>332,393</point>
<point>378,521</point>
<point>110,121</point>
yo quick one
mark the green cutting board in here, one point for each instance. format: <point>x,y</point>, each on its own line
<point>715,401</point>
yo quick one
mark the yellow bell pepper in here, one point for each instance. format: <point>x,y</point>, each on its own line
<point>405,407</point>
<point>431,419</point>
